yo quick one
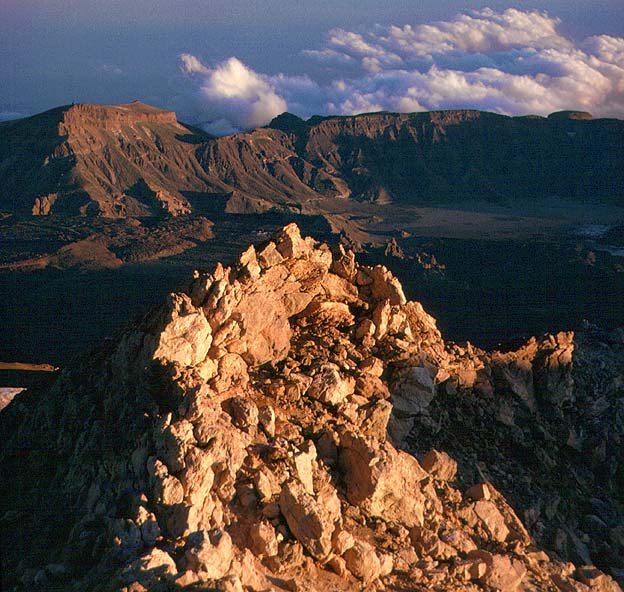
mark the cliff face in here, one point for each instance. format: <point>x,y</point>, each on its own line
<point>136,160</point>
<point>278,425</point>
<point>457,155</point>
<point>113,161</point>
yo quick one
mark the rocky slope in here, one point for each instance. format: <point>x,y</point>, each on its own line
<point>136,160</point>
<point>115,161</point>
<point>254,433</point>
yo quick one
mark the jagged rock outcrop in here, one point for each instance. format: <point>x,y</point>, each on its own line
<point>236,439</point>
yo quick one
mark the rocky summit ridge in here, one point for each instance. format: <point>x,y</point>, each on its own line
<point>268,428</point>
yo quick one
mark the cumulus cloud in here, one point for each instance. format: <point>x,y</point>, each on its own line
<point>235,97</point>
<point>512,62</point>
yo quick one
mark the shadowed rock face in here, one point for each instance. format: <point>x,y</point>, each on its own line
<point>237,438</point>
<point>137,160</point>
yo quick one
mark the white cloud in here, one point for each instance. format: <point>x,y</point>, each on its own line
<point>513,62</point>
<point>191,65</point>
<point>234,96</point>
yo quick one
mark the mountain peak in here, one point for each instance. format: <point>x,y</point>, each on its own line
<point>246,434</point>
<point>81,114</point>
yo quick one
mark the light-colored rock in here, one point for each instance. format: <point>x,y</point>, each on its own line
<point>263,539</point>
<point>440,465</point>
<point>504,573</point>
<point>492,519</point>
<point>382,480</point>
<point>386,287</point>
<point>209,552</point>
<point>411,394</point>
<point>311,521</point>
<point>330,386</point>
<point>186,337</point>
<point>269,256</point>
<point>303,461</point>
<point>362,561</point>
<point>479,491</point>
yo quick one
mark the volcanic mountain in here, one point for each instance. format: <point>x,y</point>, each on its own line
<point>136,160</point>
<point>285,424</point>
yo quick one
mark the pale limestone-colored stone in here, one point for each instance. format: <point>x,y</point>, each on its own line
<point>263,539</point>
<point>330,386</point>
<point>492,519</point>
<point>372,365</point>
<point>504,573</point>
<point>186,337</point>
<point>210,552</point>
<point>342,541</point>
<point>382,480</point>
<point>269,256</point>
<point>479,491</point>
<point>362,561</point>
<point>386,287</point>
<point>303,461</point>
<point>311,521</point>
<point>440,465</point>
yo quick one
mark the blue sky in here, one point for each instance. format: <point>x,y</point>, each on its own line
<point>252,58</point>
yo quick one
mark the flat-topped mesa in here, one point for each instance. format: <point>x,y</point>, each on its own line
<point>82,115</point>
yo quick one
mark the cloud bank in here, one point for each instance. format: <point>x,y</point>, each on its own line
<point>512,62</point>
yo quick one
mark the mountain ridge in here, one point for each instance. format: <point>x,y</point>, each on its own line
<point>137,160</point>
<point>251,434</point>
